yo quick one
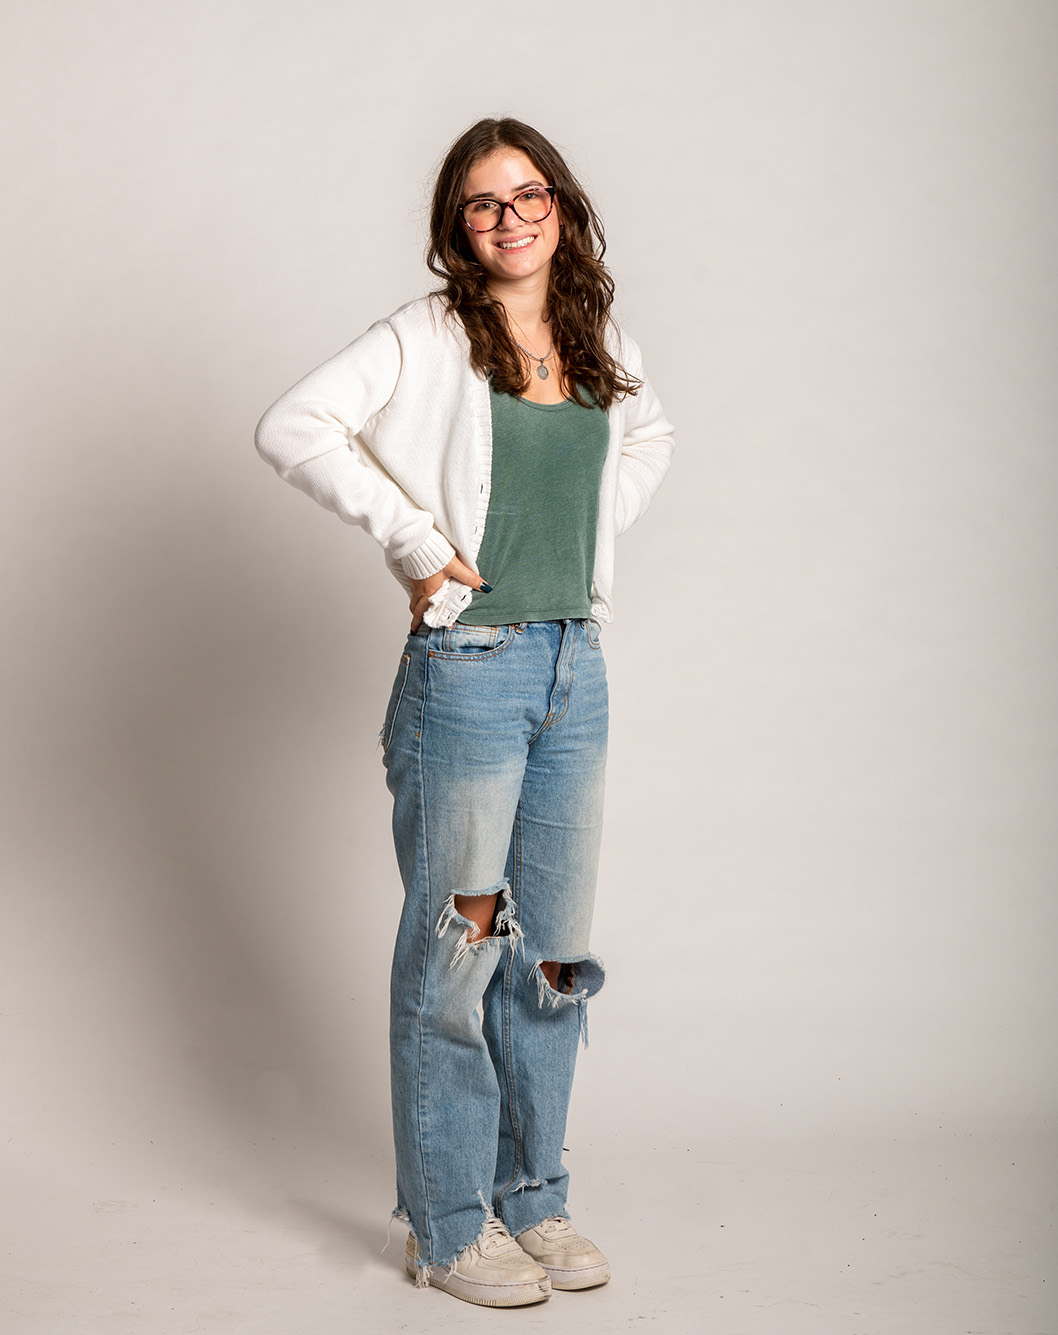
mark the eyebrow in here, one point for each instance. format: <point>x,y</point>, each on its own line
<point>517,190</point>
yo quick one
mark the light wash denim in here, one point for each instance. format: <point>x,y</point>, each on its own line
<point>495,747</point>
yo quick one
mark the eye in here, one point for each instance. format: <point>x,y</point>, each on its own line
<point>481,208</point>
<point>531,196</point>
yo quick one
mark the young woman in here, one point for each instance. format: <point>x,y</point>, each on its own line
<point>499,430</point>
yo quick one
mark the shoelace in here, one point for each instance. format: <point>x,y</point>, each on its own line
<point>494,1238</point>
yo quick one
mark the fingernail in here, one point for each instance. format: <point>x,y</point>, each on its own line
<point>484,588</point>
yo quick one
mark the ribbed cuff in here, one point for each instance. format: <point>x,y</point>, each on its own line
<point>434,554</point>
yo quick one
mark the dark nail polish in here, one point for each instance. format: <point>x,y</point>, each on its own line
<point>484,588</point>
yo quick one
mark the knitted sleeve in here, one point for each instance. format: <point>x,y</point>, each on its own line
<point>646,450</point>
<point>310,436</point>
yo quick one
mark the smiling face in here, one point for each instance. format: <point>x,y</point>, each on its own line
<point>515,252</point>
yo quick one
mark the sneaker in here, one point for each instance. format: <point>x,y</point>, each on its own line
<point>572,1262</point>
<point>492,1272</point>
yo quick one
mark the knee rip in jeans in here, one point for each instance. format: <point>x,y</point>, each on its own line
<point>579,980</point>
<point>505,925</point>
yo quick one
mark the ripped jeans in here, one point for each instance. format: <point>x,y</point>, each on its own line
<point>495,747</point>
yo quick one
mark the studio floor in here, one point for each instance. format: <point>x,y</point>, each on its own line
<point>941,1235</point>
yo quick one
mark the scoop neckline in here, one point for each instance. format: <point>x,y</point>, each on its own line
<point>548,406</point>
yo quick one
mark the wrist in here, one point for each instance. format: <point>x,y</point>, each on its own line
<point>428,559</point>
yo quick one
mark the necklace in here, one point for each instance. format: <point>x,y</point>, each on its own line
<point>541,369</point>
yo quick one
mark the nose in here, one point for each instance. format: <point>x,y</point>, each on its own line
<point>505,222</point>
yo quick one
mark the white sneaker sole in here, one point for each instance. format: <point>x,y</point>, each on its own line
<point>588,1277</point>
<point>488,1295</point>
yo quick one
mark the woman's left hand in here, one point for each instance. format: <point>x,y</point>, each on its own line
<point>422,590</point>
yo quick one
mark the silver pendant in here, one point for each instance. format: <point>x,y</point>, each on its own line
<point>541,371</point>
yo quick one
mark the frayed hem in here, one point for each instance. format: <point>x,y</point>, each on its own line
<point>426,1272</point>
<point>397,1216</point>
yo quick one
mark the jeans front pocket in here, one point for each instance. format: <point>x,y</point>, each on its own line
<point>593,633</point>
<point>469,642</point>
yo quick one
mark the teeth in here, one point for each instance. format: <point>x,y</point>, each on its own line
<point>516,245</point>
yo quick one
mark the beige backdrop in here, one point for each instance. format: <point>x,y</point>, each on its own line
<point>828,893</point>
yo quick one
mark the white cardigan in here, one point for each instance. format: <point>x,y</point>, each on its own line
<point>395,434</point>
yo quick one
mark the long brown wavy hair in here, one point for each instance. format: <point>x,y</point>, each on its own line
<point>580,289</point>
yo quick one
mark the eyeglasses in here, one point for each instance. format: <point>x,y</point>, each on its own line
<point>484,215</point>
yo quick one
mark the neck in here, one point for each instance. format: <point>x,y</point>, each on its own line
<point>524,301</point>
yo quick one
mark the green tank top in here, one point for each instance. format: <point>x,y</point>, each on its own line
<point>538,552</point>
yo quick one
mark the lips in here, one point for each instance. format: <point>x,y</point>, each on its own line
<point>522,243</point>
